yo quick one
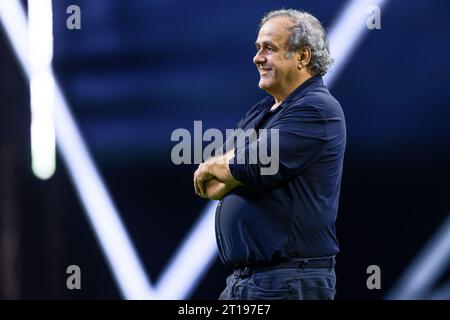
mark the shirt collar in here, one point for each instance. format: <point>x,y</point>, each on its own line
<point>315,81</point>
<point>312,82</point>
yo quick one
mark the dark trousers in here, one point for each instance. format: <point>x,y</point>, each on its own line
<point>281,283</point>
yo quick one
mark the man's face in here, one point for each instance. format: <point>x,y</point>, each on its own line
<point>276,71</point>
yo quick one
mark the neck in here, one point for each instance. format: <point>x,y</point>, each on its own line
<point>287,90</point>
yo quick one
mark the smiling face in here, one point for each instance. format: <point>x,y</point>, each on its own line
<point>278,75</point>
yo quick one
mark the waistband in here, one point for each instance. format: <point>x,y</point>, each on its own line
<point>297,263</point>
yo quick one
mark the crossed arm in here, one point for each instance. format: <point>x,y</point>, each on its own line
<point>213,179</point>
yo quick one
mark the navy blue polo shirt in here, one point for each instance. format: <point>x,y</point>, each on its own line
<point>292,213</point>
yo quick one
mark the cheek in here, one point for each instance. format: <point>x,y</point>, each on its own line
<point>288,69</point>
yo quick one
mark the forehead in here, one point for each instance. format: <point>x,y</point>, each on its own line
<point>275,30</point>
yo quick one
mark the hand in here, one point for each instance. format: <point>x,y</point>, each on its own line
<point>216,189</point>
<point>201,175</point>
<point>215,168</point>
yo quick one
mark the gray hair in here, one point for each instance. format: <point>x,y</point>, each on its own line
<point>306,31</point>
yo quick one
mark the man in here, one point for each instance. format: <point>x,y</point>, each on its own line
<point>278,231</point>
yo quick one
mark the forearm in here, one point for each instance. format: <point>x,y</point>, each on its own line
<point>213,178</point>
<point>219,168</point>
<point>215,189</point>
<point>221,171</point>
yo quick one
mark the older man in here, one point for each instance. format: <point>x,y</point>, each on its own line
<point>278,231</point>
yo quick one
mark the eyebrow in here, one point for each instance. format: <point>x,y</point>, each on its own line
<point>267,43</point>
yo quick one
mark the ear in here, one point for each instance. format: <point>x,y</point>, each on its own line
<point>304,57</point>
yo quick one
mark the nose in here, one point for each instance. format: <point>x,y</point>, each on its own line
<point>259,58</point>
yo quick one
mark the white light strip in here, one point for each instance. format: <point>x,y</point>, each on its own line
<point>197,252</point>
<point>179,282</point>
<point>101,212</point>
<point>416,282</point>
<point>42,87</point>
<point>346,34</point>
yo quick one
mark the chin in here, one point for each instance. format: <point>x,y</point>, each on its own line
<point>263,85</point>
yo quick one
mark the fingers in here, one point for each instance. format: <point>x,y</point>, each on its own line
<point>204,196</point>
<point>195,186</point>
<point>200,177</point>
<point>199,187</point>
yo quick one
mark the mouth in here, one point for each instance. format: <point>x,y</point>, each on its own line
<point>264,71</point>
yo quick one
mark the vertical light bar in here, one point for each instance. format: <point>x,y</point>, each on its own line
<point>121,257</point>
<point>42,87</point>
